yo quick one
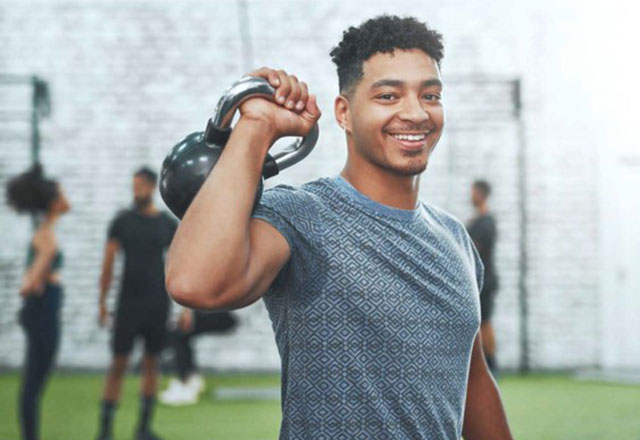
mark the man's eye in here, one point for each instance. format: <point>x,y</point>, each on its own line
<point>432,97</point>
<point>386,96</point>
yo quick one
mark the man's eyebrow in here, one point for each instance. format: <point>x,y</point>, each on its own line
<point>387,83</point>
<point>398,83</point>
<point>431,82</point>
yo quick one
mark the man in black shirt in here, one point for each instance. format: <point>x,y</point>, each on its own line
<point>482,229</point>
<point>143,234</point>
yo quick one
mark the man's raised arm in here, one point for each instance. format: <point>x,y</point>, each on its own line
<point>219,257</point>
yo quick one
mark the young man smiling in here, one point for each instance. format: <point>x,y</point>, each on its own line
<point>373,295</point>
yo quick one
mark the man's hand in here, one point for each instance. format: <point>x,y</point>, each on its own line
<point>294,111</point>
<point>103,315</point>
<point>185,321</point>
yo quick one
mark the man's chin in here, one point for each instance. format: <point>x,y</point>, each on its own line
<point>408,169</point>
<point>141,203</point>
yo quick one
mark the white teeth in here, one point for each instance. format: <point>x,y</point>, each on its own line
<point>410,137</point>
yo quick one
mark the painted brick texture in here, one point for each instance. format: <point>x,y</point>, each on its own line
<point>129,79</point>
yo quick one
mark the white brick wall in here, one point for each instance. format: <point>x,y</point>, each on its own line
<point>129,79</point>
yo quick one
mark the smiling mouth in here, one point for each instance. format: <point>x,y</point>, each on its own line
<point>411,141</point>
<point>411,137</point>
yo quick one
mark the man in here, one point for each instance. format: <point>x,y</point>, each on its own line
<point>142,234</point>
<point>372,295</point>
<point>482,230</point>
<point>185,389</point>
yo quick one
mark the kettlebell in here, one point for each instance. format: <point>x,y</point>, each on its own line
<point>190,161</point>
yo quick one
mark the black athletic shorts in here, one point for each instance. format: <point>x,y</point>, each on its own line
<point>130,323</point>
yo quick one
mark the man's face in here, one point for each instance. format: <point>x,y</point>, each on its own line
<point>395,115</point>
<point>477,196</point>
<point>142,191</point>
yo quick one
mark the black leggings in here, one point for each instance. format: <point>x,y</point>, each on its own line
<point>39,319</point>
<point>181,341</point>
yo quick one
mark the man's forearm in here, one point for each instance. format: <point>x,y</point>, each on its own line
<point>211,243</point>
<point>105,283</point>
<point>485,417</point>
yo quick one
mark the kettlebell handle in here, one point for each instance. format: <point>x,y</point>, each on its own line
<point>218,127</point>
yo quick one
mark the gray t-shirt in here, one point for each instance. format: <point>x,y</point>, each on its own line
<point>374,315</point>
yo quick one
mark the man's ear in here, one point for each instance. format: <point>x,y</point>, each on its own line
<point>341,109</point>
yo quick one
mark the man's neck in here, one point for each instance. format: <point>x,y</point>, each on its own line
<point>482,209</point>
<point>382,186</point>
<point>149,210</point>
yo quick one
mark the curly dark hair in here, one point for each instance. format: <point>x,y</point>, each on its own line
<point>32,192</point>
<point>381,34</point>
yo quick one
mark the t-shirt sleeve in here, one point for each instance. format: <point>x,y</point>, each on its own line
<point>115,230</point>
<point>278,207</point>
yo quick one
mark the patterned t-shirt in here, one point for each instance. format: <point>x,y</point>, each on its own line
<point>374,315</point>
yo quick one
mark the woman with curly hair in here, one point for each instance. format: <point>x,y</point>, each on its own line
<point>41,289</point>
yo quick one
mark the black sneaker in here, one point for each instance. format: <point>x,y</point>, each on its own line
<point>147,435</point>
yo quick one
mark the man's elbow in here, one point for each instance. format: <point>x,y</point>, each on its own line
<point>189,294</point>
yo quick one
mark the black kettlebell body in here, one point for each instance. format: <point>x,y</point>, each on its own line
<point>190,161</point>
<point>185,169</point>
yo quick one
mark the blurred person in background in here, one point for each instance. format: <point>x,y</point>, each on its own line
<point>142,234</point>
<point>482,230</point>
<point>186,387</point>
<point>41,288</point>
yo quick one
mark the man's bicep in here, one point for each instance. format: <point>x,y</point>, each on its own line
<point>269,252</point>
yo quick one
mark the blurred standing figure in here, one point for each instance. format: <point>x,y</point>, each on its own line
<point>41,288</point>
<point>483,232</point>
<point>143,234</point>
<point>185,389</point>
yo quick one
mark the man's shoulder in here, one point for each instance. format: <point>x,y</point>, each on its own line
<point>123,214</point>
<point>307,195</point>
<point>444,218</point>
<point>484,224</point>
<point>168,218</point>
<point>453,227</point>
<point>488,219</point>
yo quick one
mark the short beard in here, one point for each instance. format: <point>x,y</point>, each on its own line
<point>141,202</point>
<point>413,168</point>
<point>409,170</point>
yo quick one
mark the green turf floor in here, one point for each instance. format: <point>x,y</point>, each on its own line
<point>539,408</point>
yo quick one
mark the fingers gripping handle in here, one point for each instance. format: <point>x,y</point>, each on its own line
<point>237,93</point>
<point>219,126</point>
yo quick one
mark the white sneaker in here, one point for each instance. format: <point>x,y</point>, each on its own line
<point>197,383</point>
<point>174,383</point>
<point>179,395</point>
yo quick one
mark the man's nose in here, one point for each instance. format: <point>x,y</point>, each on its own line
<point>414,110</point>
